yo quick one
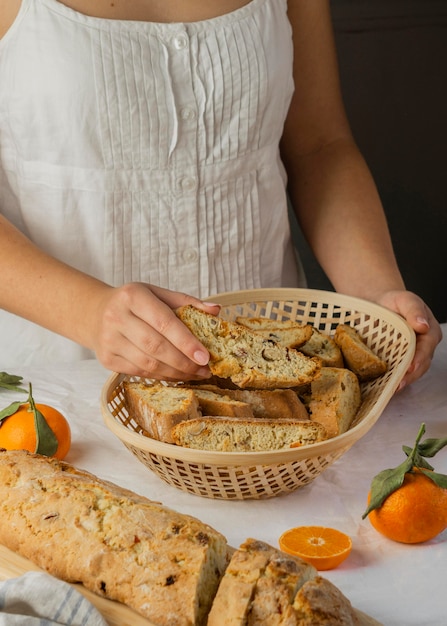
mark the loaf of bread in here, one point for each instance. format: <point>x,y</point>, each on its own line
<point>262,586</point>
<point>357,355</point>
<point>158,407</point>
<point>286,332</point>
<point>248,359</point>
<point>164,565</point>
<point>270,403</point>
<point>223,434</point>
<point>334,399</point>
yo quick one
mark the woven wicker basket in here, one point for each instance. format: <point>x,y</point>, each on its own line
<point>255,475</point>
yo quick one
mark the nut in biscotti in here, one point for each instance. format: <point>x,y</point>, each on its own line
<point>247,358</point>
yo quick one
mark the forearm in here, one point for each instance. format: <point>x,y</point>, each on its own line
<point>43,290</point>
<point>340,212</point>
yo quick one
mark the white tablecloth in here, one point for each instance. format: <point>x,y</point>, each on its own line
<point>397,584</point>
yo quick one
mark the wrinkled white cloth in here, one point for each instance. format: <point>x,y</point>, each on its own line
<point>38,599</point>
<point>139,151</point>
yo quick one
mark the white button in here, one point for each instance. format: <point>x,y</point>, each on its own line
<point>180,41</point>
<point>189,183</point>
<point>190,255</point>
<point>188,114</point>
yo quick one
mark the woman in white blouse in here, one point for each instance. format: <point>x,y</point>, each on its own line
<point>145,152</point>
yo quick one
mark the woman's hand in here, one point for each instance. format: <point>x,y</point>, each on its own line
<point>428,331</point>
<point>139,334</point>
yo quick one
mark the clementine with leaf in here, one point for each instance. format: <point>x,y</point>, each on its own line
<point>324,548</point>
<point>38,428</point>
<point>408,503</point>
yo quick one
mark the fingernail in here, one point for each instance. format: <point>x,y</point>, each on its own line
<point>201,358</point>
<point>401,386</point>
<point>212,304</point>
<point>422,320</point>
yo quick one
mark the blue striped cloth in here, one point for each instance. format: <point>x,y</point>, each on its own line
<point>38,599</point>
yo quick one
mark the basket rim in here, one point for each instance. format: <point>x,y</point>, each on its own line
<point>343,441</point>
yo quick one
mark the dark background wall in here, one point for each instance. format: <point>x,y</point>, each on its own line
<point>393,67</point>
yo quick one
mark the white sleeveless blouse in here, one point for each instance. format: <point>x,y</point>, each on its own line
<point>139,151</point>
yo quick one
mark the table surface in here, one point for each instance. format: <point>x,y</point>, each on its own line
<point>397,584</point>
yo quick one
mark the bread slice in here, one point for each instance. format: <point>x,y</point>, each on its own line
<point>335,399</point>
<point>237,587</point>
<point>286,332</point>
<point>264,403</point>
<point>357,355</point>
<point>158,407</point>
<point>320,602</point>
<point>324,347</point>
<point>213,402</point>
<point>223,434</point>
<point>165,565</point>
<point>276,589</point>
<point>246,358</point>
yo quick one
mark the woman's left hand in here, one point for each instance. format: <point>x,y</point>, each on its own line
<point>428,331</point>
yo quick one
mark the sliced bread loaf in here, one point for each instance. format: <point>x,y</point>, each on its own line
<point>334,399</point>
<point>324,347</point>
<point>286,332</point>
<point>165,565</point>
<point>320,602</point>
<point>264,403</point>
<point>158,407</point>
<point>240,435</point>
<point>357,355</point>
<point>245,357</point>
<point>217,402</point>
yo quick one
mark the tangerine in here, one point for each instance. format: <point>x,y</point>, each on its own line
<point>18,431</point>
<point>414,513</point>
<point>324,548</point>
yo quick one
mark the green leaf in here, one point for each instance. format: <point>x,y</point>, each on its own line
<point>10,410</point>
<point>46,441</point>
<point>430,447</point>
<point>438,479</point>
<point>385,483</point>
<point>11,382</point>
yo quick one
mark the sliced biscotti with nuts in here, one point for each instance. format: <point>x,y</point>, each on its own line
<point>165,565</point>
<point>324,347</point>
<point>286,332</point>
<point>334,399</point>
<point>357,355</point>
<point>264,403</point>
<point>237,587</point>
<point>158,407</point>
<point>226,434</point>
<point>212,402</point>
<point>245,357</point>
<point>320,602</point>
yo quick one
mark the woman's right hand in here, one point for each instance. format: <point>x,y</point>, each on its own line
<point>139,334</point>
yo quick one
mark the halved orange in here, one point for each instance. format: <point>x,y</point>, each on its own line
<point>324,548</point>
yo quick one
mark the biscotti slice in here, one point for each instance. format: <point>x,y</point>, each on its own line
<point>320,602</point>
<point>357,355</point>
<point>246,358</point>
<point>265,403</point>
<point>215,403</point>
<point>158,407</point>
<point>165,565</point>
<point>324,347</point>
<point>287,332</point>
<point>223,434</point>
<point>335,399</point>
<point>276,589</point>
<point>236,589</point>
